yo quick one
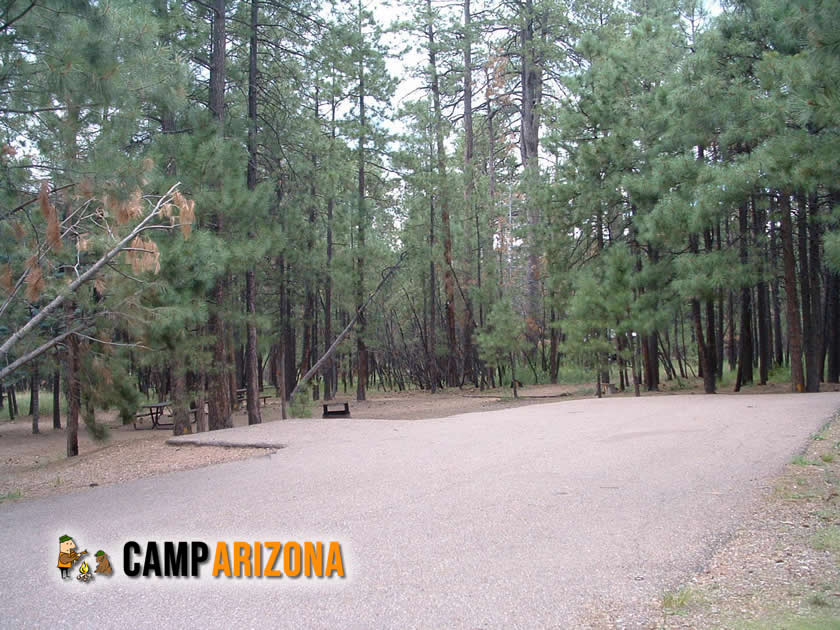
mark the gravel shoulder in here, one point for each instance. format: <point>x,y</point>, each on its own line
<point>781,568</point>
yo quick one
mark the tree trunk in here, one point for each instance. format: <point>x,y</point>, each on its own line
<point>219,401</point>
<point>745,345</point>
<point>56,392</point>
<point>832,320</point>
<point>443,200</point>
<point>74,395</point>
<point>531,87</point>
<point>705,353</point>
<point>809,328</point>
<point>180,402</point>
<point>252,371</point>
<point>361,348</point>
<point>763,302</point>
<point>791,300</point>
<point>34,396</point>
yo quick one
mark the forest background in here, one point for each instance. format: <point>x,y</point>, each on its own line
<point>202,197</point>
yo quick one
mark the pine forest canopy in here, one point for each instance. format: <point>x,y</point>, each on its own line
<point>201,197</point>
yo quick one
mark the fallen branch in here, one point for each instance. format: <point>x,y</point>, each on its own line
<point>386,275</point>
<point>14,365</point>
<point>87,275</point>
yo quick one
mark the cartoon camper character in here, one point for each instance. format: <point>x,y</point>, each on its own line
<point>103,565</point>
<point>67,555</point>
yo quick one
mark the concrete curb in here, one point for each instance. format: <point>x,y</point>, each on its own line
<point>180,441</point>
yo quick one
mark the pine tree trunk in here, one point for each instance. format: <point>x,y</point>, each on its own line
<point>791,301</point>
<point>180,402</point>
<point>56,395</point>
<point>73,393</point>
<point>34,396</point>
<point>531,88</point>
<point>832,320</point>
<point>443,200</point>
<point>361,349</point>
<point>705,354</point>
<point>329,380</point>
<point>252,370</point>
<point>219,400</point>
<point>817,308</point>
<point>778,340</point>
<point>745,338</point>
<point>809,325</point>
<point>762,306</point>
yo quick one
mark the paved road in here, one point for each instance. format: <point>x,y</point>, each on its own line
<point>535,517</point>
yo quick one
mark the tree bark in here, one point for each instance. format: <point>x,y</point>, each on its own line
<point>252,370</point>
<point>809,328</point>
<point>34,396</point>
<point>361,348</point>
<point>763,302</point>
<point>443,201</point>
<point>56,395</point>
<point>219,400</point>
<point>791,299</point>
<point>745,344</point>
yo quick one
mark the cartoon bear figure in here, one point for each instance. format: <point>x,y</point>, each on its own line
<point>103,565</point>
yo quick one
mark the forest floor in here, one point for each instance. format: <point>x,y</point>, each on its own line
<point>36,466</point>
<point>781,568</point>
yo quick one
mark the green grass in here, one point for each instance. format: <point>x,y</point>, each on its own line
<point>677,601</point>
<point>801,460</point>
<point>45,404</point>
<point>816,621</point>
<point>827,539</point>
<point>11,495</point>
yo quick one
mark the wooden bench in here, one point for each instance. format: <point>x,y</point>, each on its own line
<point>344,411</point>
<point>156,411</point>
<point>242,394</point>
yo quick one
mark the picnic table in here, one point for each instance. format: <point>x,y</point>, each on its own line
<point>155,412</point>
<point>242,393</point>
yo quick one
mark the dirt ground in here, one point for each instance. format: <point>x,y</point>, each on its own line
<point>36,465</point>
<point>781,569</point>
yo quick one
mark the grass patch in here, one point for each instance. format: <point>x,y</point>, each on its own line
<point>801,460</point>
<point>45,405</point>
<point>677,601</point>
<point>817,621</point>
<point>827,539</point>
<point>11,495</point>
<point>819,600</point>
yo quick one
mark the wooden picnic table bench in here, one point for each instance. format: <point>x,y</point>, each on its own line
<point>155,412</point>
<point>242,393</point>
<point>344,411</point>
